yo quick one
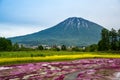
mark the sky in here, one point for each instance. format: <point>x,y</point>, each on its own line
<point>21,17</point>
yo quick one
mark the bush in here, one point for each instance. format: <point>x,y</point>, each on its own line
<point>75,49</point>
<point>40,47</point>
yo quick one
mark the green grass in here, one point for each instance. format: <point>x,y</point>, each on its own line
<point>36,53</point>
<point>41,56</point>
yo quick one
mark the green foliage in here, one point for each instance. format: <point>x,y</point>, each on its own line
<point>5,44</point>
<point>63,47</point>
<point>75,49</point>
<point>119,39</point>
<point>16,47</point>
<point>56,49</point>
<point>104,41</point>
<point>40,47</point>
<point>113,39</point>
<point>110,40</point>
<point>93,47</point>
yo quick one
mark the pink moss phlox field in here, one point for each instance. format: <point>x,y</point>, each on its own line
<point>88,69</point>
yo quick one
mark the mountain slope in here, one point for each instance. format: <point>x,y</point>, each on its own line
<point>72,31</point>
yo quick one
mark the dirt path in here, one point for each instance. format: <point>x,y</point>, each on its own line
<point>116,76</point>
<point>71,76</point>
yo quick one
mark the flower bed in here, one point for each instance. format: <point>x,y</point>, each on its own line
<point>87,69</point>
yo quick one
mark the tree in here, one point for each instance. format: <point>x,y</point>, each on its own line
<point>119,39</point>
<point>93,47</point>
<point>22,48</point>
<point>104,43</point>
<point>16,47</point>
<point>113,39</point>
<point>100,45</point>
<point>55,48</point>
<point>5,44</point>
<point>110,40</point>
<point>75,48</point>
<point>40,47</point>
<point>63,47</point>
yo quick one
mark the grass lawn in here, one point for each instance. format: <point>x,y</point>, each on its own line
<point>41,56</point>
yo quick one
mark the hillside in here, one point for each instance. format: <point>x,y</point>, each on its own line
<point>72,31</point>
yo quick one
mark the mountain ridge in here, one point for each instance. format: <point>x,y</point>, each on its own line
<point>72,31</point>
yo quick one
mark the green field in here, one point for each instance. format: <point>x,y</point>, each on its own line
<point>40,56</point>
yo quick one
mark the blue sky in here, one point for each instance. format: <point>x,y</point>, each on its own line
<point>19,17</point>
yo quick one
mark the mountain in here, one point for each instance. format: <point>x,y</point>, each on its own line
<point>73,31</point>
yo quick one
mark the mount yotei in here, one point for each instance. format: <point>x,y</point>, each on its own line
<point>73,31</point>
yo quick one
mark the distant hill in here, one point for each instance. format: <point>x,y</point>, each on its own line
<point>73,31</point>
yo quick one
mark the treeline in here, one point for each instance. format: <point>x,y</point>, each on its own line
<point>110,40</point>
<point>6,45</point>
<point>54,48</point>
